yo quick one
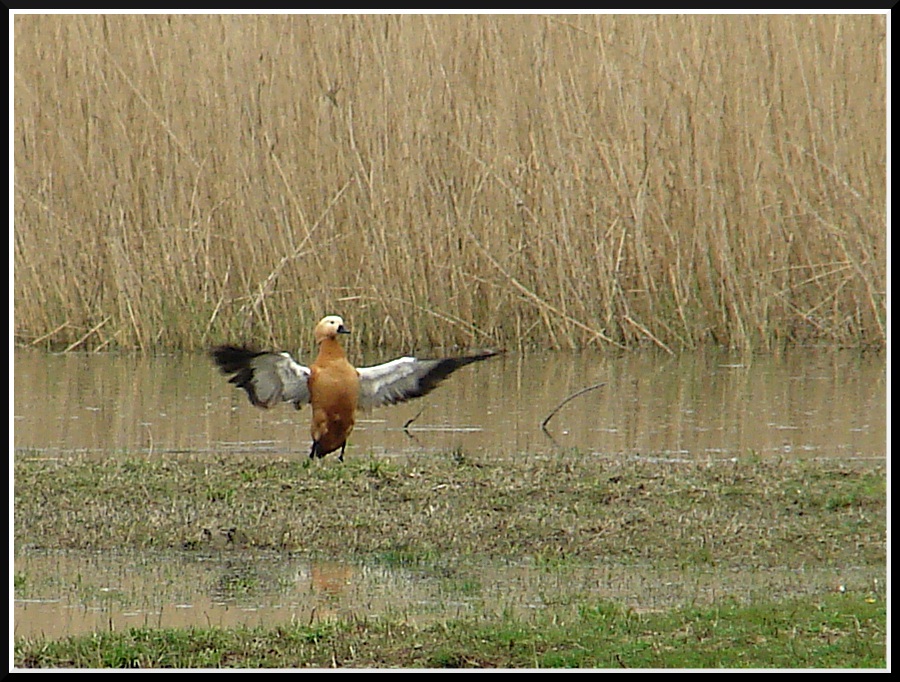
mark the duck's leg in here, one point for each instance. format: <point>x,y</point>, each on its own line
<point>341,456</point>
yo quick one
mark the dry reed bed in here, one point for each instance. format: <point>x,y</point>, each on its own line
<point>513,180</point>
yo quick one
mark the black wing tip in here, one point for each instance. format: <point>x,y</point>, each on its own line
<point>444,367</point>
<point>466,357</point>
<point>235,361</point>
<point>232,358</point>
<point>472,356</point>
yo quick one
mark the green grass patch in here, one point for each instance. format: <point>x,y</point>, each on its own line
<point>838,631</point>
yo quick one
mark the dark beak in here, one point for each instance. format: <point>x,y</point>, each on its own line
<point>343,330</point>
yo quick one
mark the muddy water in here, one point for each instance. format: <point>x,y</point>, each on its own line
<point>694,407</point>
<point>72,593</point>
<point>700,406</point>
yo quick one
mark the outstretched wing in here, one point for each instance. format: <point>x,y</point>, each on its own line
<point>405,378</point>
<point>269,378</point>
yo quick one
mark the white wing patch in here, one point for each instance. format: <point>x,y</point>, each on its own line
<point>268,378</point>
<point>281,379</point>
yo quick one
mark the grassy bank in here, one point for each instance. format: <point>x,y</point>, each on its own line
<point>838,631</point>
<point>730,516</point>
<point>540,181</point>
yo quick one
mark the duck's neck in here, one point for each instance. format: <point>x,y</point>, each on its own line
<point>330,349</point>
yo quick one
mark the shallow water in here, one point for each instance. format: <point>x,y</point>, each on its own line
<point>73,593</point>
<point>699,406</point>
<point>705,407</point>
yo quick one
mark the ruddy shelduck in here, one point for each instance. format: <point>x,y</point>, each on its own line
<point>334,387</point>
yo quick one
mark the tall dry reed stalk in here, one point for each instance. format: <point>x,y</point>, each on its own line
<point>527,181</point>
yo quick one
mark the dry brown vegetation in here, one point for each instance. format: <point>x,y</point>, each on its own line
<point>547,181</point>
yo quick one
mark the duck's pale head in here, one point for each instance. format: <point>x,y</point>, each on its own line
<point>329,327</point>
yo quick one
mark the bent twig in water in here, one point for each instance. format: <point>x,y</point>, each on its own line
<point>410,421</point>
<point>570,398</point>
